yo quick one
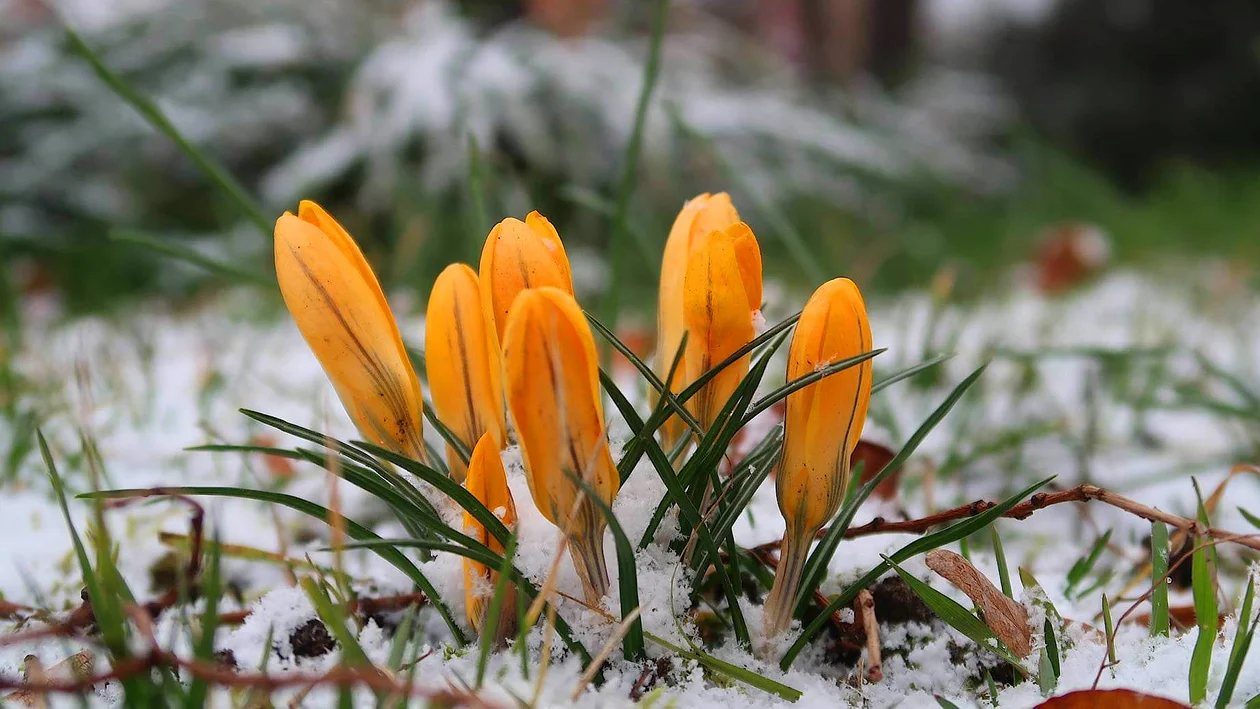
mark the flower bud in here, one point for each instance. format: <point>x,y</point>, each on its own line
<point>464,371</point>
<point>551,374</point>
<point>487,482</point>
<point>339,307</point>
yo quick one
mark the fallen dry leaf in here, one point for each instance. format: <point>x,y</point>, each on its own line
<point>874,457</point>
<point>1109,699</point>
<point>1007,619</point>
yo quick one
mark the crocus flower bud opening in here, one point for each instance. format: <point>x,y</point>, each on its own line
<point>821,427</point>
<point>464,371</point>
<point>551,377</point>
<point>487,481</point>
<point>339,307</point>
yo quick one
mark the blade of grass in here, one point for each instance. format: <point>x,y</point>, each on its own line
<point>1085,564</point>
<point>1004,572</point>
<point>629,168</point>
<point>735,672</point>
<point>627,573</point>
<point>1109,630</point>
<point>155,117</point>
<point>952,533</point>
<point>203,649</point>
<point>801,382</point>
<point>488,558</point>
<point>648,375</point>
<point>1203,584</point>
<point>909,372</point>
<point>1243,638</point>
<point>1159,572</point>
<point>323,514</point>
<point>491,624</point>
<point>180,252</point>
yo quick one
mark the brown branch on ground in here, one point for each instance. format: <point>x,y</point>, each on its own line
<point>1040,501</point>
<point>864,605</point>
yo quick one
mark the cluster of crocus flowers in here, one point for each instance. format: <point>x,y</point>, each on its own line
<point>487,481</point>
<point>342,313</point>
<point>821,427</point>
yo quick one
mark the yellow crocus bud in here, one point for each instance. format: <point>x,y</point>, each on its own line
<point>465,374</point>
<point>342,313</point>
<point>820,430</point>
<point>698,217</point>
<point>487,482</point>
<point>721,292</point>
<point>552,382</point>
<point>519,255</point>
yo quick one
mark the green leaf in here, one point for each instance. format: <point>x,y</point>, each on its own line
<point>1084,565</point>
<point>154,116</point>
<point>921,545</point>
<point>1159,570</point>
<point>187,254</point>
<point>323,514</point>
<point>203,649</point>
<point>943,702</point>
<point>769,400</point>
<point>648,375</point>
<point>627,572</point>
<point>1109,629</point>
<point>1243,638</point>
<point>957,617</point>
<point>637,446</point>
<point>1048,666</point>
<point>1004,572</point>
<point>491,623</point>
<point>1251,518</point>
<point>735,672</point>
<point>488,558</point>
<point>816,565</point>
<point>908,372</point>
<point>1204,587</point>
<point>617,258</point>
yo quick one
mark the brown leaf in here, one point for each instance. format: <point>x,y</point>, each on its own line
<point>1109,699</point>
<point>1007,619</point>
<point>874,457</point>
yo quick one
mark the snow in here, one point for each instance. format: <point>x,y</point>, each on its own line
<point>146,385</point>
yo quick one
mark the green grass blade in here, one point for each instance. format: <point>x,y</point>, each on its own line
<point>235,448</point>
<point>181,252</point>
<point>156,118</point>
<point>957,617</point>
<point>1109,630</point>
<point>816,565</point>
<point>445,485</point>
<point>1243,638</point>
<point>618,259</point>
<point>461,448</point>
<point>944,703</point>
<point>490,625</point>
<point>203,649</point>
<point>1159,569</point>
<point>627,573</point>
<point>801,382</point>
<point>1004,572</point>
<point>1203,584</point>
<point>637,446</point>
<point>1048,669</point>
<point>1085,564</point>
<point>735,672</point>
<point>323,514</point>
<point>952,533</point>
<point>1252,519</point>
<point>488,558</point>
<point>909,372</point>
<point>648,375</point>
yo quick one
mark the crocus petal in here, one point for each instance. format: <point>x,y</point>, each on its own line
<point>342,313</point>
<point>464,372</point>
<point>824,420</point>
<point>487,481</point>
<point>698,217</point>
<point>551,376</point>
<point>717,316</point>
<point>517,256</point>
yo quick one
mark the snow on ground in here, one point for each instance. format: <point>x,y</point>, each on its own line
<point>144,387</point>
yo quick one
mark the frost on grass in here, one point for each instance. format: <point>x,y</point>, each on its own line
<point>1092,386</point>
